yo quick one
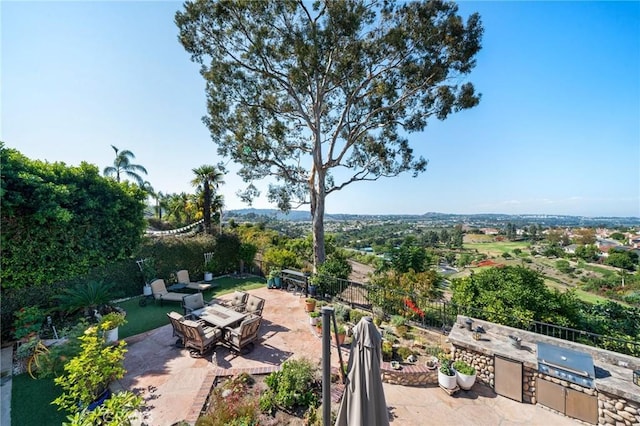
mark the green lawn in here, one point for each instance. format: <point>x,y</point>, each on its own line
<point>153,315</point>
<point>31,399</point>
<point>496,248</point>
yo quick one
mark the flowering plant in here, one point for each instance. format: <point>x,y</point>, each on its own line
<point>28,320</point>
<point>409,303</point>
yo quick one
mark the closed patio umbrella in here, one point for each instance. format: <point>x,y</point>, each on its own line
<point>363,402</point>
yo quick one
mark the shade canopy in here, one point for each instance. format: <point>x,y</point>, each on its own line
<point>363,402</point>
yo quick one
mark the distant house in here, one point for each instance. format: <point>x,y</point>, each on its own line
<point>490,231</point>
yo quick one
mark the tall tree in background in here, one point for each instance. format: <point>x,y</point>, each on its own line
<point>207,180</point>
<point>122,165</point>
<point>297,89</point>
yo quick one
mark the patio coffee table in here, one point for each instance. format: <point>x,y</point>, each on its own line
<point>220,316</point>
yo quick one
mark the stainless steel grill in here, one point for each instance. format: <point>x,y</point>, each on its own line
<point>566,364</point>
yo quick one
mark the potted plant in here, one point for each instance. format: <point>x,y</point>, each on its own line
<point>465,374</point>
<point>110,323</point>
<point>313,317</point>
<point>85,384</point>
<point>27,323</point>
<point>341,333</point>
<point>310,304</point>
<point>271,278</point>
<point>446,375</point>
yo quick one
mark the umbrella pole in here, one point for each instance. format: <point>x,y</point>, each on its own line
<point>327,313</point>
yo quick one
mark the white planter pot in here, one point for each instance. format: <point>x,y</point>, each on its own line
<point>447,382</point>
<point>465,381</point>
<point>111,336</point>
<point>146,290</point>
<point>208,276</point>
<point>313,320</point>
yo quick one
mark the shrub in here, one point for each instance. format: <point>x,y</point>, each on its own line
<point>397,320</point>
<point>28,320</point>
<point>464,368</point>
<point>404,352</point>
<point>342,312</point>
<point>232,403</point>
<point>355,315</point>
<point>387,350</point>
<point>402,330</point>
<point>293,386</point>
<point>445,367</point>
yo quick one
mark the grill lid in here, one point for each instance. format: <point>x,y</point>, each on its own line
<point>580,363</point>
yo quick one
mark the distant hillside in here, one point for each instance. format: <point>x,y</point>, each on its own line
<point>442,218</point>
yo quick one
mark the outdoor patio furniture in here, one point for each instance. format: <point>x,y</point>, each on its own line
<point>176,322</point>
<point>192,302</point>
<point>160,292</point>
<point>200,338</point>
<point>237,301</point>
<point>183,278</point>
<point>244,335</point>
<point>220,316</point>
<point>254,305</point>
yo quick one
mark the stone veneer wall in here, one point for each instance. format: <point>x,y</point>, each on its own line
<point>409,375</point>
<point>613,410</point>
<point>481,362</point>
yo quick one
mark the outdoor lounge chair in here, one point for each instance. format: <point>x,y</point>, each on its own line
<point>237,302</point>
<point>159,291</point>
<point>254,305</point>
<point>244,335</point>
<point>192,302</point>
<point>183,278</point>
<point>200,337</point>
<point>178,330</point>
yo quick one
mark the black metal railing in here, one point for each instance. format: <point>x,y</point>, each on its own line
<point>443,314</point>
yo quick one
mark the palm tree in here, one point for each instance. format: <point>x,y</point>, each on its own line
<point>207,179</point>
<point>122,164</point>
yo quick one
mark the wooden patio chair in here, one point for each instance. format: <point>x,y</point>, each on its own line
<point>159,291</point>
<point>178,330</point>
<point>237,302</point>
<point>254,305</point>
<point>244,335</point>
<point>200,338</point>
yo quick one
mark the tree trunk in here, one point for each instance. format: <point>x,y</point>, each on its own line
<point>207,207</point>
<point>317,218</point>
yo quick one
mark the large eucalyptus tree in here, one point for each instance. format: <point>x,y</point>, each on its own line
<point>298,89</point>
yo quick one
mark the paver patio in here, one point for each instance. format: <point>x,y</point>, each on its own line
<point>175,385</point>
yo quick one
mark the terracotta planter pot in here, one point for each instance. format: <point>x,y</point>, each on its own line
<point>310,306</point>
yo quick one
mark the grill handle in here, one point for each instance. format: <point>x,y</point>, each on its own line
<point>561,367</point>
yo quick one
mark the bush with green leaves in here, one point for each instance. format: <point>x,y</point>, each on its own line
<point>87,296</point>
<point>295,385</point>
<point>117,410</point>
<point>355,315</point>
<point>234,402</point>
<point>463,367</point>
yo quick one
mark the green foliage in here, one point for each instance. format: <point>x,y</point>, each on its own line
<point>402,330</point>
<point>417,51</point>
<point>464,368</point>
<point>445,367</point>
<point>52,363</point>
<point>293,386</point>
<point>513,295</point>
<point>58,222</point>
<point>279,258</point>
<point>171,254</point>
<point>409,256</point>
<point>355,315</point>
<point>564,266</point>
<point>234,402</point>
<point>404,352</point>
<point>342,311</point>
<point>387,350</point>
<point>624,259</point>
<point>397,320</point>
<point>112,320</point>
<point>28,320</point>
<point>87,296</point>
<point>117,410</point>
<point>89,373</point>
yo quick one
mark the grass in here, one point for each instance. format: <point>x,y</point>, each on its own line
<point>496,248</point>
<point>153,315</point>
<point>31,399</point>
<point>31,402</point>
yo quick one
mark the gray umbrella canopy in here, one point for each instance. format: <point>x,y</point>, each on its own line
<point>363,402</point>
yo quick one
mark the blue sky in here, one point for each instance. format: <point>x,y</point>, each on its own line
<point>557,130</point>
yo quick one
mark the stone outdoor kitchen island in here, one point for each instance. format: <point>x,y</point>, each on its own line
<point>601,392</point>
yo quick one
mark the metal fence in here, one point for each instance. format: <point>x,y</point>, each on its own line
<point>442,314</point>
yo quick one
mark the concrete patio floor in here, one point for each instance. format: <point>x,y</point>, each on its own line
<point>175,386</point>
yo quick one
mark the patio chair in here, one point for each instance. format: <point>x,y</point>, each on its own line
<point>159,291</point>
<point>200,338</point>
<point>193,303</point>
<point>244,335</point>
<point>237,302</point>
<point>183,278</point>
<point>254,305</point>
<point>178,330</point>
